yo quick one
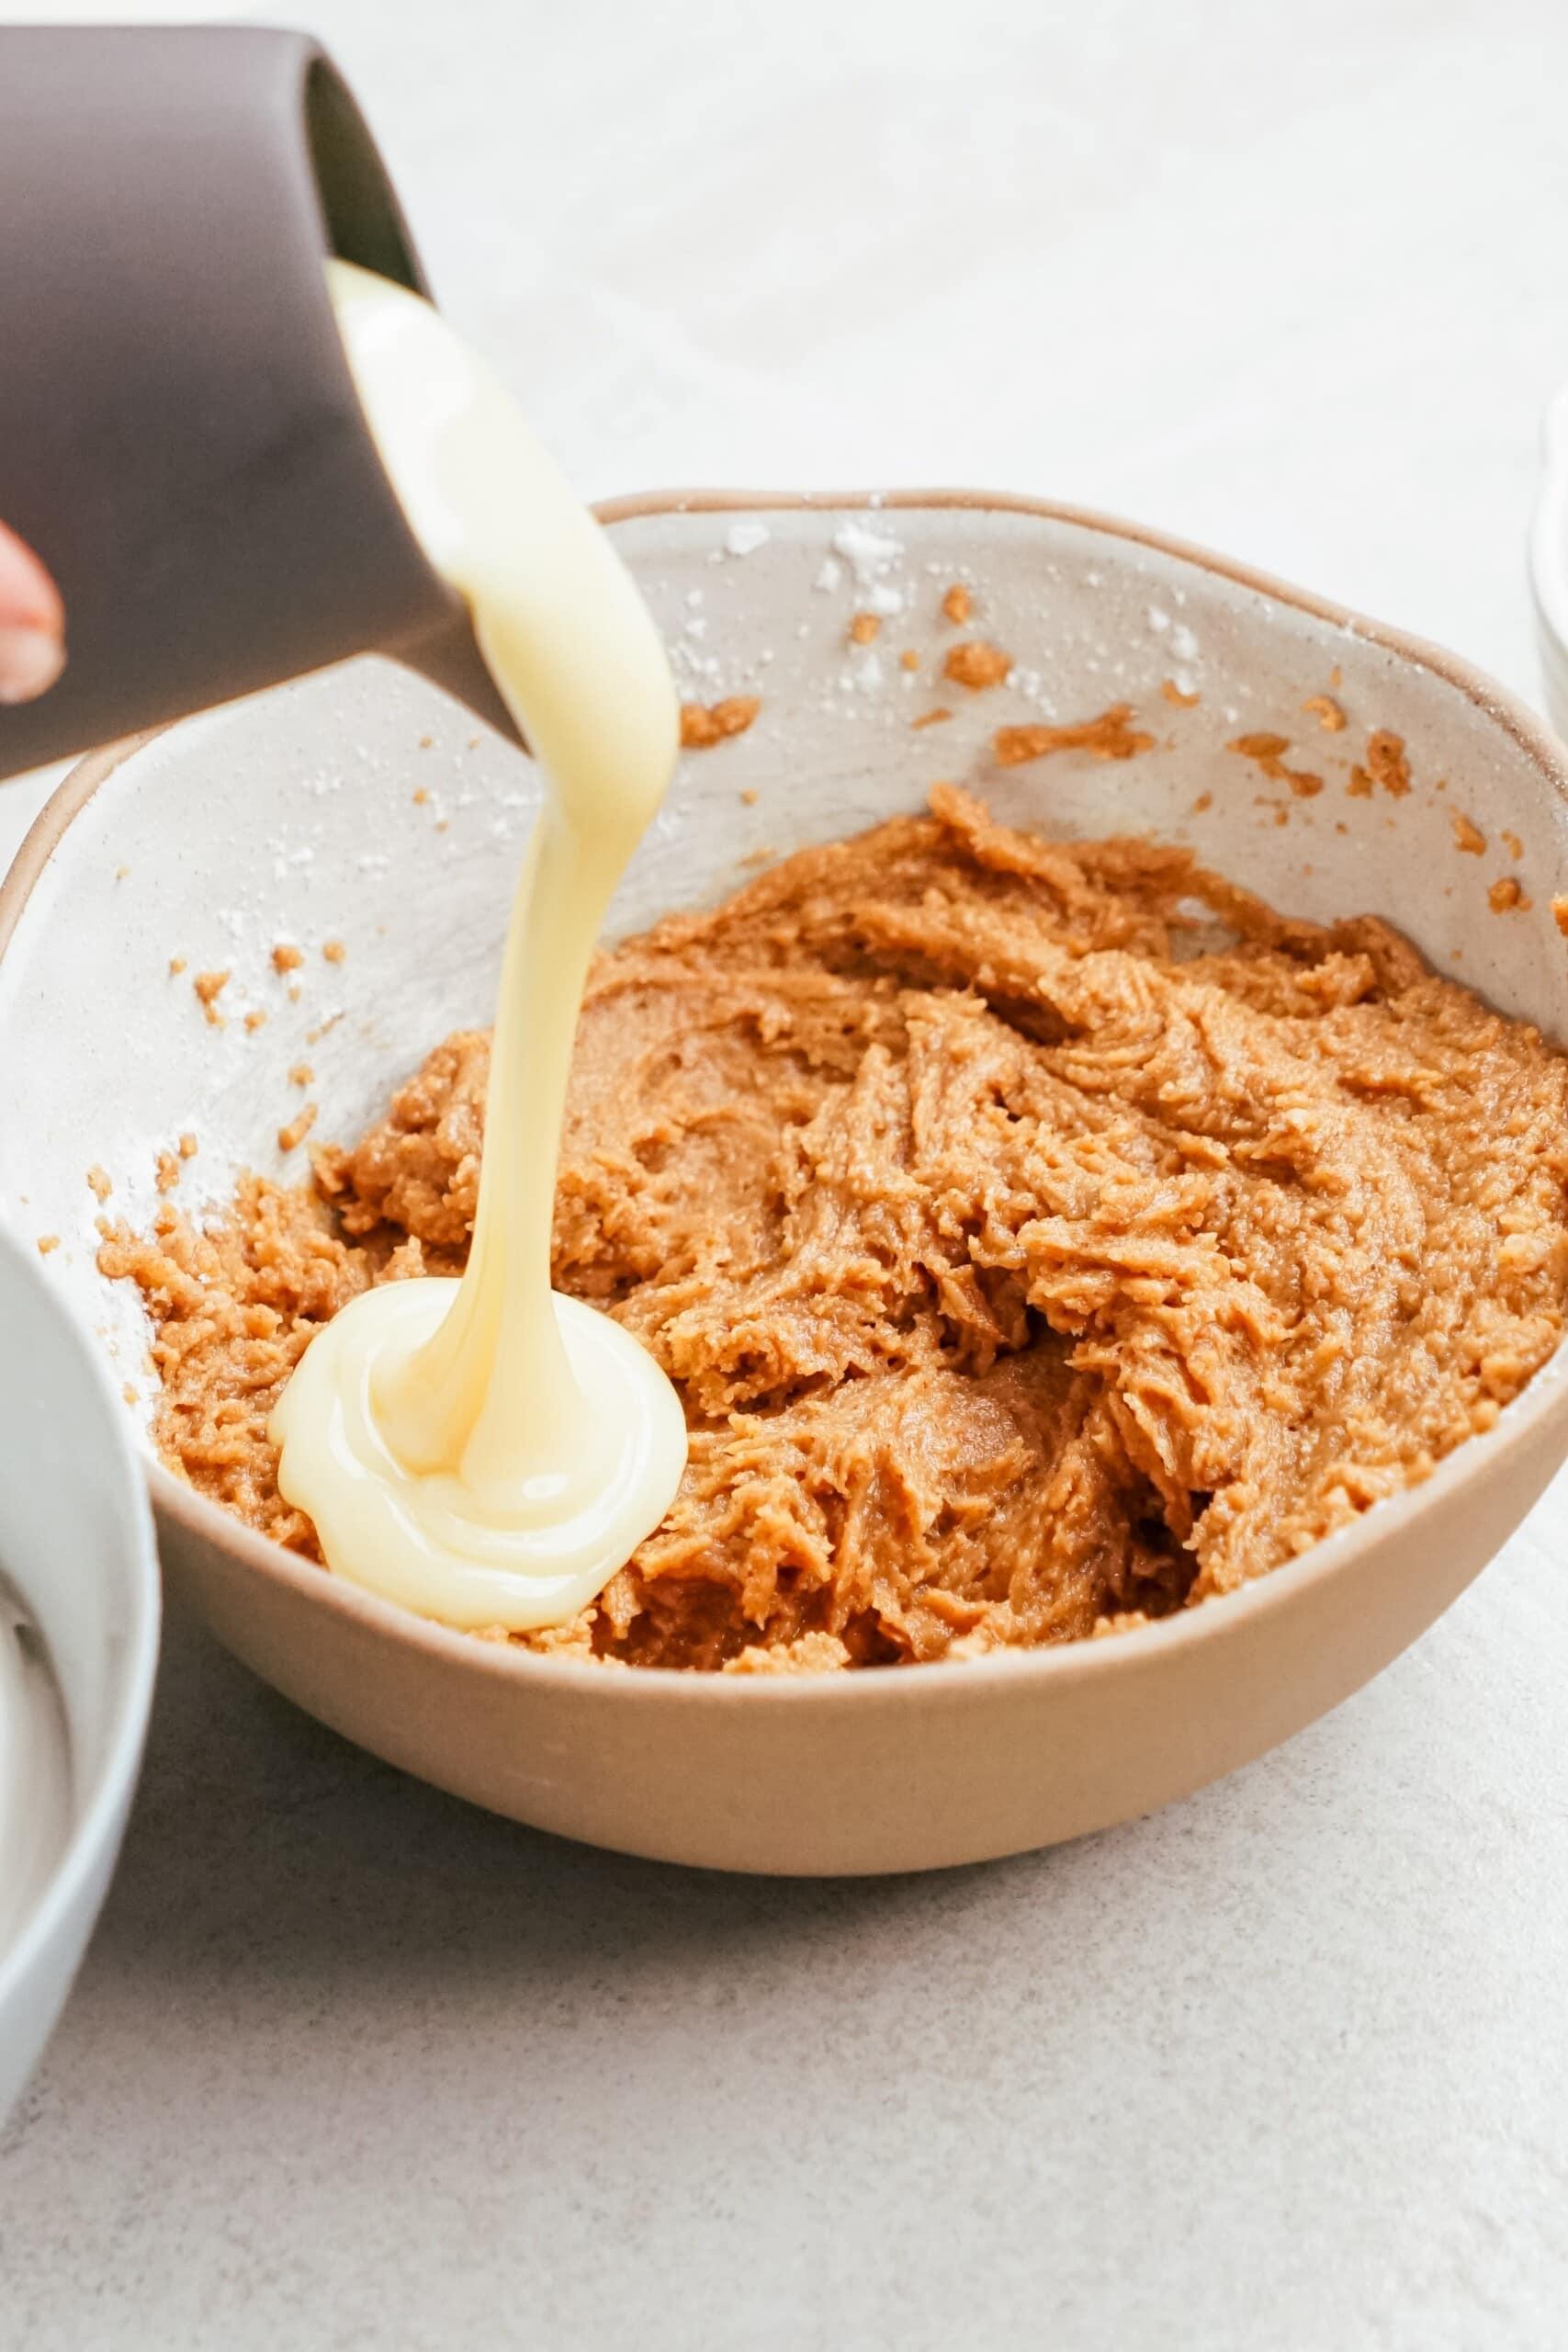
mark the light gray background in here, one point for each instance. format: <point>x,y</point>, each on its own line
<point>351,2065</point>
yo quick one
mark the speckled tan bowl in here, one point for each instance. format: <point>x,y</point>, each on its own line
<point>294,816</point>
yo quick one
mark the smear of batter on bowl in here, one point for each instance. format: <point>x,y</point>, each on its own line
<point>1042,1237</point>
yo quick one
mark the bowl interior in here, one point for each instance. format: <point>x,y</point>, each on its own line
<point>360,807</point>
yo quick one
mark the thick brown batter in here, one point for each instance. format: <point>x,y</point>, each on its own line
<point>1040,1236</point>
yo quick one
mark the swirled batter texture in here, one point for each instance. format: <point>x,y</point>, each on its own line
<point>1042,1237</point>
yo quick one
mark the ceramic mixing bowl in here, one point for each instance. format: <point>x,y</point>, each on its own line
<point>360,807</point>
<point>76,1551</point>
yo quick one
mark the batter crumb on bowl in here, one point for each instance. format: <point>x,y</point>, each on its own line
<point>705,724</point>
<point>976,665</point>
<point>209,986</point>
<point>291,1137</point>
<point>1386,765</point>
<point>957,605</point>
<point>1267,753</point>
<point>1328,713</point>
<point>1043,1238</point>
<point>1386,760</point>
<point>1111,736</point>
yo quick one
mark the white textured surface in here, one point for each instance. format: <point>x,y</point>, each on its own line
<point>1285,2067</point>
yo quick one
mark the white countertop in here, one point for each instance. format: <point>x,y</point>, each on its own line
<point>351,2065</point>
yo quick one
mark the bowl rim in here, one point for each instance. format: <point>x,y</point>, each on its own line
<point>94,1822</point>
<point>1072,1662</point>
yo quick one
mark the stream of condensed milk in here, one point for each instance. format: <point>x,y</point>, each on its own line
<point>486,1452</point>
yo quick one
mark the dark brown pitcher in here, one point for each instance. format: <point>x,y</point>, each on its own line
<point>180,438</point>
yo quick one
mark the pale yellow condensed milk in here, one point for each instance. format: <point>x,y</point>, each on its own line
<point>487,1452</point>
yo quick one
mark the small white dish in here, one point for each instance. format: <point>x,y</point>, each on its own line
<point>76,1549</point>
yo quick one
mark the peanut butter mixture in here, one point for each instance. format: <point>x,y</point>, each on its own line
<point>1043,1238</point>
